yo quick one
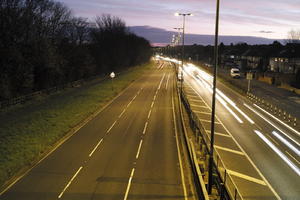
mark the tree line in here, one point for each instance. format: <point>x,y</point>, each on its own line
<point>42,45</point>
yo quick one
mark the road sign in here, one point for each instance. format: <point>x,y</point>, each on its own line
<point>249,76</point>
<point>112,75</point>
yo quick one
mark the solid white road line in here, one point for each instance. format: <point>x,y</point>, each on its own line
<point>194,105</point>
<point>195,100</point>
<point>95,147</point>
<point>222,134</point>
<point>178,150</point>
<point>199,112</point>
<point>111,127</point>
<point>69,183</point>
<point>139,149</point>
<point>246,177</point>
<point>229,150</point>
<point>208,121</point>
<point>129,184</point>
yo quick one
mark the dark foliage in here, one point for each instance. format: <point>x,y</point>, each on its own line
<point>43,45</point>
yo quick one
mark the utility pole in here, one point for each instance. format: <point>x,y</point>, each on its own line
<point>212,135</point>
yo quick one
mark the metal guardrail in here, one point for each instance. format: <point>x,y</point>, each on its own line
<point>223,180</point>
<point>193,157</point>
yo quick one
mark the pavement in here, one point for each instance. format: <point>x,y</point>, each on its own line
<point>130,150</point>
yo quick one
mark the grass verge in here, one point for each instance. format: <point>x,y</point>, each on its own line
<point>29,131</point>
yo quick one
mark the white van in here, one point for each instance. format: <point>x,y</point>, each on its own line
<point>235,73</point>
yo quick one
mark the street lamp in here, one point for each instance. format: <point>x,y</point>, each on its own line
<point>178,36</point>
<point>183,27</point>
<point>212,134</point>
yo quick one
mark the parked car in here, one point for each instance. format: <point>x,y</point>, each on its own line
<point>235,73</point>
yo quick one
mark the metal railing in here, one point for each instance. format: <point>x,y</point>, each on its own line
<point>223,180</point>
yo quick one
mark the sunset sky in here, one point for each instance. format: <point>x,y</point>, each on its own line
<point>263,18</point>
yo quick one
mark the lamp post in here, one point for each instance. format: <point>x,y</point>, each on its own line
<point>183,27</point>
<point>212,134</point>
<point>179,35</point>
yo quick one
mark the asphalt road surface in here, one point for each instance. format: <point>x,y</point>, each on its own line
<point>272,146</point>
<point>128,151</point>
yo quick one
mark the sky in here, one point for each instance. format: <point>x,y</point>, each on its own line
<point>262,18</point>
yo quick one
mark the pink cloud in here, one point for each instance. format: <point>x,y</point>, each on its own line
<point>237,17</point>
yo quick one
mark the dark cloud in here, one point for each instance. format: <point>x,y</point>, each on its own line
<point>266,31</point>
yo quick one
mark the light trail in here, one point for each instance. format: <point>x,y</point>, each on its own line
<point>221,101</point>
<point>278,152</point>
<point>234,105</point>
<point>253,110</point>
<point>206,81</point>
<point>287,143</point>
<point>295,131</point>
<point>227,99</point>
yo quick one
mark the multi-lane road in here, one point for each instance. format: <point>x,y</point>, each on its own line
<point>130,150</point>
<point>270,145</point>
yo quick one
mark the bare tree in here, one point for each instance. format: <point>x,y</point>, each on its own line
<point>293,36</point>
<point>81,29</point>
<point>110,23</point>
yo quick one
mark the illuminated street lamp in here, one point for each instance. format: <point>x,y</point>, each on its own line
<point>183,27</point>
<point>212,135</point>
<point>179,35</point>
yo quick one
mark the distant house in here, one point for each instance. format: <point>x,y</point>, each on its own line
<point>231,58</point>
<point>287,61</point>
<point>254,60</point>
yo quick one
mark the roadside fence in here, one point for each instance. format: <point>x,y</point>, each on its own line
<point>222,179</point>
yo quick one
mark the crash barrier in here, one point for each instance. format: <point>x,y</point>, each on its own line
<point>273,109</point>
<point>201,188</point>
<point>222,179</point>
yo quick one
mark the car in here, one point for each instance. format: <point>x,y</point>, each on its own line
<point>235,73</point>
